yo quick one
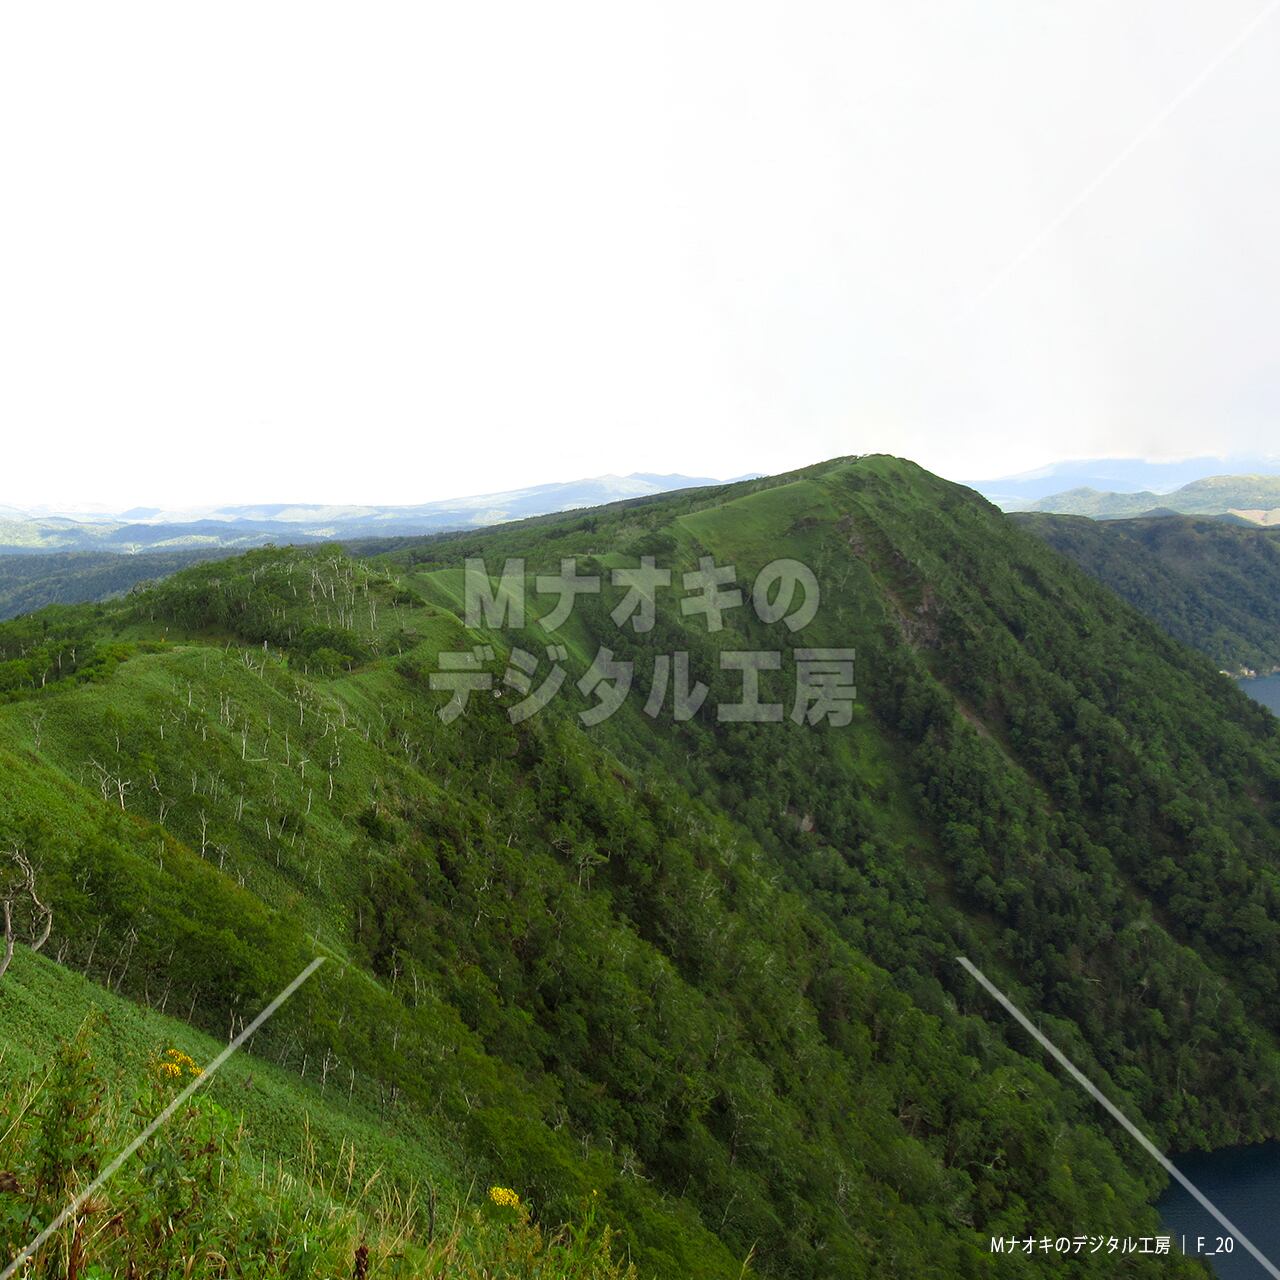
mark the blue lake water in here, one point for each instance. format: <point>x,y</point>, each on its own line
<point>1244,1182</point>
<point>1265,689</point>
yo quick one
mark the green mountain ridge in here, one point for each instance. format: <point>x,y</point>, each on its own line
<point>703,969</point>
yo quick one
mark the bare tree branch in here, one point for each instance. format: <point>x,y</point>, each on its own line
<point>11,890</point>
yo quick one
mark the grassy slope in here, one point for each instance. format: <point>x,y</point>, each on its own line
<point>282,1112</point>
<point>258,1174</point>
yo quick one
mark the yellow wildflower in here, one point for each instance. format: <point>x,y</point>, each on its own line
<point>174,1064</point>
<point>504,1197</point>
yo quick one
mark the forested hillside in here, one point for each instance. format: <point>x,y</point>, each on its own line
<point>30,582</point>
<point>1213,586</point>
<point>627,951</point>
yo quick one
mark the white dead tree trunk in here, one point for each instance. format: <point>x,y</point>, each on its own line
<point>17,884</point>
<point>111,785</point>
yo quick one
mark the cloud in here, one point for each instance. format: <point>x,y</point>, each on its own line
<point>290,253</point>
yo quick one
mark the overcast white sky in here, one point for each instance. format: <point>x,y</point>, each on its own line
<point>389,253</point>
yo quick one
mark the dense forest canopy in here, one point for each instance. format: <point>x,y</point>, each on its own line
<point>1211,585</point>
<point>699,966</point>
<point>30,582</point>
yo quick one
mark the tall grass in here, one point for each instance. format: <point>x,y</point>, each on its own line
<point>198,1201</point>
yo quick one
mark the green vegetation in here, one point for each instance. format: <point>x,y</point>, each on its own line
<point>255,1175</point>
<point>30,582</point>
<point>1213,586</point>
<point>703,970</point>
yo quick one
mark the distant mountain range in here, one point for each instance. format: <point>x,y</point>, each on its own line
<point>157,529</point>
<point>1115,476</point>
<point>1252,499</point>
